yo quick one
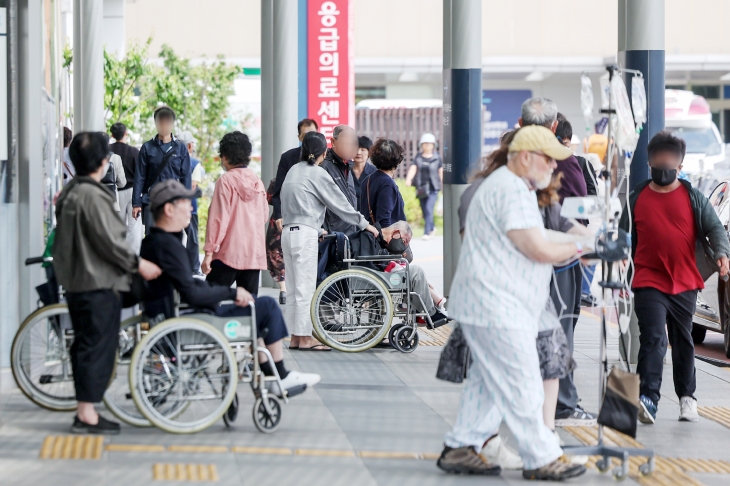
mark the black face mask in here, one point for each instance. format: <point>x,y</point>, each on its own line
<point>395,246</point>
<point>663,177</point>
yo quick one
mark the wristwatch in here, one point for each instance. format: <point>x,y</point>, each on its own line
<point>579,247</point>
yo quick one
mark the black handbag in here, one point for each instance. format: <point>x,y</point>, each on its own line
<point>620,408</point>
<point>137,290</point>
<point>455,358</point>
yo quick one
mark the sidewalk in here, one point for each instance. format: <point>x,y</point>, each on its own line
<point>377,418</point>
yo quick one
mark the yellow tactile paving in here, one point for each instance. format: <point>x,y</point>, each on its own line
<point>323,453</point>
<point>720,415</point>
<point>72,447</point>
<point>135,448</point>
<point>184,472</point>
<point>668,471</point>
<point>274,451</point>
<point>204,449</point>
<point>434,337</point>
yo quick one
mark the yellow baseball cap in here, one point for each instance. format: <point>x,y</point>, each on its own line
<point>534,138</point>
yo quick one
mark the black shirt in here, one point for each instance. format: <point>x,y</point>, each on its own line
<point>129,156</point>
<point>167,252</point>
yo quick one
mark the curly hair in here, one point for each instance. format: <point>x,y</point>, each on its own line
<point>236,147</point>
<point>386,154</point>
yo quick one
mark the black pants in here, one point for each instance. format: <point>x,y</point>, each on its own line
<point>95,319</point>
<point>568,283</point>
<point>222,274</point>
<point>657,311</point>
<point>193,247</point>
<point>270,324</point>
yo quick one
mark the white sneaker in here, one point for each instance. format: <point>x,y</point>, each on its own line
<point>293,379</point>
<point>571,458</point>
<point>426,237</point>
<point>688,410</point>
<point>497,452</point>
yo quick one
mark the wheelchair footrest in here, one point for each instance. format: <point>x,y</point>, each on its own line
<point>296,390</point>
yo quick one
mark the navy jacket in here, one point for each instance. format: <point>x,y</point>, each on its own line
<point>382,202</point>
<point>367,171</point>
<point>149,159</point>
<point>341,172</point>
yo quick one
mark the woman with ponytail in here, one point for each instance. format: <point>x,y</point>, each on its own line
<point>307,192</point>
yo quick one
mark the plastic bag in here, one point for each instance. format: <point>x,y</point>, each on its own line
<point>625,131</point>
<point>638,101</point>
<point>586,98</point>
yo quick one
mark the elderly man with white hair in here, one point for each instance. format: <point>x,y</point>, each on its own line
<point>497,296</point>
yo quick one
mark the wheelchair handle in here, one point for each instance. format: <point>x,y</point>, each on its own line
<point>36,260</point>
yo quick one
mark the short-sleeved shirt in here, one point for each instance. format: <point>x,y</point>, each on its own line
<point>495,284</point>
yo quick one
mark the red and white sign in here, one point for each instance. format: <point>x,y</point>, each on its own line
<point>330,64</point>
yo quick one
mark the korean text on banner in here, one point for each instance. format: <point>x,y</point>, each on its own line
<point>331,77</point>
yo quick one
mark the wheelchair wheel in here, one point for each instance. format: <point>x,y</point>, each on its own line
<point>391,334</point>
<point>40,358</point>
<point>118,397</point>
<point>232,413</point>
<point>267,421</point>
<point>406,339</point>
<point>351,310</point>
<point>183,375</point>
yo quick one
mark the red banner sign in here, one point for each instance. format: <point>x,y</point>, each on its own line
<point>330,64</point>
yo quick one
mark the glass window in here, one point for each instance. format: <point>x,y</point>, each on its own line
<point>699,140</point>
<point>676,86</point>
<point>709,92</point>
<point>369,93</point>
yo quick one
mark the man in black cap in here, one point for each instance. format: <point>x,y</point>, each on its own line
<point>171,208</point>
<point>162,158</point>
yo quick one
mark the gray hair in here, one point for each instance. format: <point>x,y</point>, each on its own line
<point>403,227</point>
<point>339,129</point>
<point>539,111</point>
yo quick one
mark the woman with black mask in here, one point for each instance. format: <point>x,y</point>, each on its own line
<point>307,192</point>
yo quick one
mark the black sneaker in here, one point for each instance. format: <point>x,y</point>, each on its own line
<point>587,300</point>
<point>104,426</point>
<point>464,460</point>
<point>555,471</point>
<point>577,417</point>
<point>439,319</point>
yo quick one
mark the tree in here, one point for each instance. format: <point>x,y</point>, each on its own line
<point>123,79</point>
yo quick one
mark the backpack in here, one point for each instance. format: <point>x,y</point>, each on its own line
<point>110,178</point>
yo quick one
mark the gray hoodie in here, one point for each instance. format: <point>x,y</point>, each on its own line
<point>308,191</point>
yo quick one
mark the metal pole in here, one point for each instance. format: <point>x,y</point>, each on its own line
<point>88,66</point>
<point>449,265</point>
<point>641,47</point>
<point>267,103</point>
<point>286,64</point>
<point>463,121</point>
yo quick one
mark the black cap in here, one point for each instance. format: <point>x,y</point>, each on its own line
<point>168,191</point>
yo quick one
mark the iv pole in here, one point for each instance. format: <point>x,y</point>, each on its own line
<point>600,449</point>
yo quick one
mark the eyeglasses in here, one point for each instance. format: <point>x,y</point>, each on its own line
<point>548,159</point>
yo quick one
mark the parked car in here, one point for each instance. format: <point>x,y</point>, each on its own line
<point>713,303</point>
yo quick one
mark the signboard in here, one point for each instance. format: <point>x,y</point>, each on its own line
<point>502,109</point>
<point>330,64</point>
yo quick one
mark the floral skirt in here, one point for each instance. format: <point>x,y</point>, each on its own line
<point>274,254</point>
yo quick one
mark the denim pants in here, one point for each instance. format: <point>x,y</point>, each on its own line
<point>427,205</point>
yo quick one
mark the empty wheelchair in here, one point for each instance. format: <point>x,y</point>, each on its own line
<point>184,374</point>
<point>354,308</point>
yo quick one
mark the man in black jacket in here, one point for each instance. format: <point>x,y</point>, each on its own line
<point>678,242</point>
<point>129,155</point>
<point>164,157</point>
<point>171,207</point>
<point>338,163</point>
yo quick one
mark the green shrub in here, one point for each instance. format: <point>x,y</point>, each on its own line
<point>413,210</point>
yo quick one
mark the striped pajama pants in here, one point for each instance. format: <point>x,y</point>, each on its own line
<point>504,384</point>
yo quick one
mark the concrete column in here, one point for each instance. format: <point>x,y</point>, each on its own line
<point>30,155</point>
<point>641,47</point>
<point>88,66</point>
<point>267,90</point>
<point>286,67</point>
<point>462,117</point>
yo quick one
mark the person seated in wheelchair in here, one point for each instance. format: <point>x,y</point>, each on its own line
<point>171,207</point>
<point>394,240</point>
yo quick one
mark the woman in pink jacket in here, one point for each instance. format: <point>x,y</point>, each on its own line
<point>235,244</point>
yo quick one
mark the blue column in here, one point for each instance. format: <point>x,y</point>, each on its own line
<point>641,47</point>
<point>302,59</point>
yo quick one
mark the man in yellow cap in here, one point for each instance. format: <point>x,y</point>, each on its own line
<point>500,288</point>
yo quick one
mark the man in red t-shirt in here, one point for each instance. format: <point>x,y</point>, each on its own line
<point>669,217</point>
